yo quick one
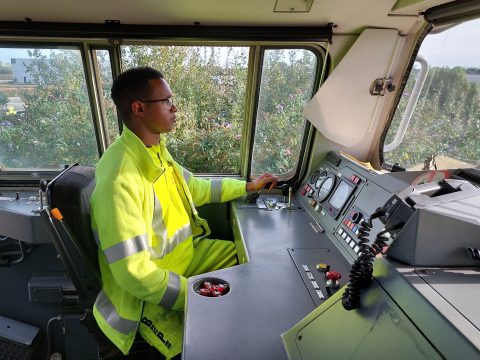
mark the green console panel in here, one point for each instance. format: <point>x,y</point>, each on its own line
<point>377,330</point>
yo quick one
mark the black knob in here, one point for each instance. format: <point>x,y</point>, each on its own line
<point>284,188</point>
<point>43,185</point>
<point>356,217</point>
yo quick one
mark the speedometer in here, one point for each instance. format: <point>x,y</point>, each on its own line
<point>326,187</point>
<point>322,176</point>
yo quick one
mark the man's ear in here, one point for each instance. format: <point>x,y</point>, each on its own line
<point>137,108</point>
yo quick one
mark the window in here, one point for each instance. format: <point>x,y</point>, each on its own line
<point>444,129</point>
<point>208,85</point>
<point>45,116</point>
<point>50,109</point>
<point>105,81</point>
<point>288,77</point>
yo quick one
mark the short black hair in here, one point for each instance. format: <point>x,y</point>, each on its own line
<point>132,85</point>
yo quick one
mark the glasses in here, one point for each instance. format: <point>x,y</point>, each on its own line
<point>168,101</point>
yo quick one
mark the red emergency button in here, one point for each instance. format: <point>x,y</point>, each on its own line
<point>333,275</point>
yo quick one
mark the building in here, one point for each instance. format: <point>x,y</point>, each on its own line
<point>19,71</point>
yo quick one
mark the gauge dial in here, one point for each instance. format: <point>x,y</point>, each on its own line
<point>322,176</point>
<point>314,177</point>
<point>326,187</point>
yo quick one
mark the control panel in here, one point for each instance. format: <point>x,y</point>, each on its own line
<point>340,194</point>
<point>322,270</point>
<point>20,219</point>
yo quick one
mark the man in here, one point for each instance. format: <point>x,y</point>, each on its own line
<point>145,220</point>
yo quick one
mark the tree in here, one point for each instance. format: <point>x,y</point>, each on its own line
<point>57,127</point>
<point>286,86</point>
<point>446,120</point>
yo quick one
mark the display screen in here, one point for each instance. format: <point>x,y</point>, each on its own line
<point>340,196</point>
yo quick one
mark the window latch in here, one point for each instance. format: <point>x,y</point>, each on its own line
<point>379,86</point>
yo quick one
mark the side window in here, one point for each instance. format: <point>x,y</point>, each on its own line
<point>438,125</point>
<point>105,81</point>
<point>288,77</point>
<point>208,85</point>
<point>45,116</point>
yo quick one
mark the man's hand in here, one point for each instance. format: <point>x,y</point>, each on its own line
<point>260,182</point>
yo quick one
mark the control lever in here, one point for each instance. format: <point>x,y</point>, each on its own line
<point>42,191</point>
<point>287,190</point>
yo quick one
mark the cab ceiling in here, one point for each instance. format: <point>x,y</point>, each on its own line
<point>350,16</point>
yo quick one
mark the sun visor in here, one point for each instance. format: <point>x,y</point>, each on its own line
<point>343,109</point>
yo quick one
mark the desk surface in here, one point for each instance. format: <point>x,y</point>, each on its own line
<point>267,294</point>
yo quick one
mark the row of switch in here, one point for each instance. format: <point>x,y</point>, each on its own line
<point>355,179</point>
<point>352,243</point>
<point>313,282</point>
<point>351,226</point>
<point>307,189</point>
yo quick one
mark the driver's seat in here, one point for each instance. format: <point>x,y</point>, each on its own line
<point>68,217</point>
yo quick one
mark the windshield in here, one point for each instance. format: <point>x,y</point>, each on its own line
<point>444,127</point>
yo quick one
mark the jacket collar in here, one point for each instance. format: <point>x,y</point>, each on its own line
<point>137,150</point>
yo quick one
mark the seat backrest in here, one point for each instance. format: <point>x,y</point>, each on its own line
<point>72,236</point>
<point>70,192</point>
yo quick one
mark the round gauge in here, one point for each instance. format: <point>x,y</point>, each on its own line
<point>326,187</point>
<point>322,176</point>
<point>314,177</point>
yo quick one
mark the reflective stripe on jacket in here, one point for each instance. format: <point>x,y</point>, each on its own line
<point>144,220</point>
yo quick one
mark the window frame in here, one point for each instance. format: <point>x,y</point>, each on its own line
<point>87,46</point>
<point>30,177</point>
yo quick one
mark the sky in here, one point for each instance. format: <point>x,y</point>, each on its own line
<point>7,54</point>
<point>459,46</point>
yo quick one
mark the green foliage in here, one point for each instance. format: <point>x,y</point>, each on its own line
<point>105,71</point>
<point>287,84</point>
<point>56,128</point>
<point>209,89</point>
<point>446,120</point>
<point>3,100</point>
<point>209,86</point>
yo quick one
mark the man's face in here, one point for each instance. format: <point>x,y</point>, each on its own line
<point>159,116</point>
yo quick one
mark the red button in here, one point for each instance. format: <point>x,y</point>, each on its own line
<point>333,275</point>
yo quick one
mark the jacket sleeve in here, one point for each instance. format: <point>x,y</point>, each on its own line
<point>205,191</point>
<point>118,220</point>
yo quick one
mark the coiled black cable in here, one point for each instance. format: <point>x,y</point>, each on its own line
<point>362,268</point>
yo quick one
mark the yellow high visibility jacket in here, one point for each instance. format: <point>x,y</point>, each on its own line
<point>144,221</point>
